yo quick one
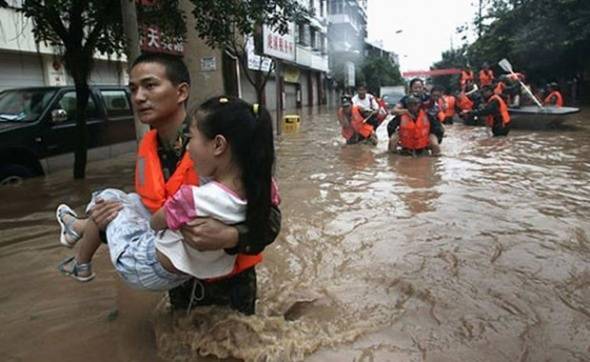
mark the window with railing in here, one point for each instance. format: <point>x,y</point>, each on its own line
<point>337,7</point>
<point>303,34</point>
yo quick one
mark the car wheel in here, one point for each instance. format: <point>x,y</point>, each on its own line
<point>13,175</point>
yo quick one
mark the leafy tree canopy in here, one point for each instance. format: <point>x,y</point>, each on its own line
<point>545,38</point>
<point>377,72</point>
<point>222,23</point>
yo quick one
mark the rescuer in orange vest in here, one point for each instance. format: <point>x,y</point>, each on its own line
<point>495,111</point>
<point>486,75</point>
<point>449,105</point>
<point>160,85</point>
<point>354,129</point>
<point>554,98</point>
<point>414,133</point>
<point>466,74</point>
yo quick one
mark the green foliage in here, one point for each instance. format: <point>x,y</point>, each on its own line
<point>95,25</point>
<point>222,23</point>
<point>228,24</point>
<point>80,28</point>
<point>377,72</point>
<point>545,38</point>
<point>454,58</point>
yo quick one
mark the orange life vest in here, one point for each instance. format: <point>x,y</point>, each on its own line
<point>485,77</point>
<point>149,180</point>
<point>464,102</point>
<point>364,129</point>
<point>499,88</point>
<point>558,99</point>
<point>465,76</point>
<point>414,134</point>
<point>450,106</point>
<point>503,111</point>
<point>347,131</point>
<point>441,110</point>
<point>154,191</point>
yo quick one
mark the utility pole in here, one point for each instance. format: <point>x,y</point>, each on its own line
<point>479,18</point>
<point>131,30</point>
<point>279,96</point>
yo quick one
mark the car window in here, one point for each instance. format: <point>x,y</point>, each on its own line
<point>22,105</point>
<point>68,103</point>
<point>116,103</point>
<point>392,99</point>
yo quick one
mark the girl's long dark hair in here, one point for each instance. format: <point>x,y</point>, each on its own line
<point>248,130</point>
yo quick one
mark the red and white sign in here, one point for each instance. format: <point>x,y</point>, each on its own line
<point>430,73</point>
<point>153,41</point>
<point>277,45</point>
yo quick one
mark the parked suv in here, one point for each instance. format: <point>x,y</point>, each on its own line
<point>37,123</point>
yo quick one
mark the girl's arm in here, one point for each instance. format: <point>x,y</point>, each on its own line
<point>158,220</point>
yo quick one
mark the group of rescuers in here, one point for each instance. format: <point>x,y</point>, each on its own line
<point>418,118</point>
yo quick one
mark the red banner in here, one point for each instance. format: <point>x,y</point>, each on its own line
<point>431,73</point>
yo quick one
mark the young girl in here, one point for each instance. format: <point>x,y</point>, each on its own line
<point>231,145</point>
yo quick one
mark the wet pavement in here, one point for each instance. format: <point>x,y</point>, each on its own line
<point>479,255</point>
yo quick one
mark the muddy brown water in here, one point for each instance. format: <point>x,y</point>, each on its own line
<point>482,254</point>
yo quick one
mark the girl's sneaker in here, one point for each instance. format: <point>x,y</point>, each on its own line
<point>68,236</point>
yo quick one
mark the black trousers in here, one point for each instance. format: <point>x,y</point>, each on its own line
<point>500,130</point>
<point>237,292</point>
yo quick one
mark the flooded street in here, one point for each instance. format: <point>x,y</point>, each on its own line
<point>482,254</point>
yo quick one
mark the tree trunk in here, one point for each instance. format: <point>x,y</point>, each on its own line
<point>259,86</point>
<point>131,29</point>
<point>82,94</point>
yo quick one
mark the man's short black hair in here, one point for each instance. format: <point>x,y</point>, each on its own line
<point>487,88</point>
<point>176,70</point>
<point>415,80</point>
<point>437,88</point>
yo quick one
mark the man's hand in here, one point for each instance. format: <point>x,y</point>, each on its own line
<point>104,212</point>
<point>209,234</point>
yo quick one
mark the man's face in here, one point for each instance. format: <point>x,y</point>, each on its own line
<point>417,88</point>
<point>435,95</point>
<point>347,109</point>
<point>155,99</point>
<point>362,91</point>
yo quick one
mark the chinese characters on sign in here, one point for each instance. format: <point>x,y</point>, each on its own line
<point>153,40</point>
<point>277,45</point>
<point>256,62</point>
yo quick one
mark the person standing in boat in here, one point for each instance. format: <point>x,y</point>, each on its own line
<point>486,75</point>
<point>495,111</point>
<point>466,75</point>
<point>554,98</point>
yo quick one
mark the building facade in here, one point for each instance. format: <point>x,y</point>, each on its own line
<point>24,63</point>
<point>376,50</point>
<point>347,31</point>
<point>303,57</point>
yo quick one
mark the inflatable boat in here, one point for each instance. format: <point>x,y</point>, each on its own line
<point>534,117</point>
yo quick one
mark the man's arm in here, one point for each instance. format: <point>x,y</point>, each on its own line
<point>211,234</point>
<point>489,109</point>
<point>158,220</point>
<point>248,245</point>
<point>399,109</point>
